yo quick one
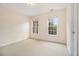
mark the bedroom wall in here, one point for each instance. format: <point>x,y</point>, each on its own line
<point>13,26</point>
<point>43,26</point>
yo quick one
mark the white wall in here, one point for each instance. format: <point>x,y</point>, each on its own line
<point>69,29</point>
<point>43,26</point>
<point>13,26</point>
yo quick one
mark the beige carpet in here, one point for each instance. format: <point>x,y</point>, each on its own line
<point>31,47</point>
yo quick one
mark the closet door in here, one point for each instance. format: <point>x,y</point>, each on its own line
<point>76,14</point>
<point>72,41</point>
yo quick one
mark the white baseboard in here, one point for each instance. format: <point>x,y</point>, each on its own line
<point>11,42</point>
<point>49,41</point>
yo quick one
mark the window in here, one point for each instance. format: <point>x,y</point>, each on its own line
<point>35,26</point>
<point>52,28</point>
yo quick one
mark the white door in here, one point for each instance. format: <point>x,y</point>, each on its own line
<point>78,30</point>
<point>72,14</point>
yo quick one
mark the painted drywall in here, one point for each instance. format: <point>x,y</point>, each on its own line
<point>70,36</point>
<point>13,26</point>
<point>43,26</point>
<point>68,17</point>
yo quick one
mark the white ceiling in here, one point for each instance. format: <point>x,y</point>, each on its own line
<point>34,9</point>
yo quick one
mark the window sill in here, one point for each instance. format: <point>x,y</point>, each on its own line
<point>51,35</point>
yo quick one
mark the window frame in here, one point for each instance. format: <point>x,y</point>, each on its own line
<point>35,27</point>
<point>52,34</point>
